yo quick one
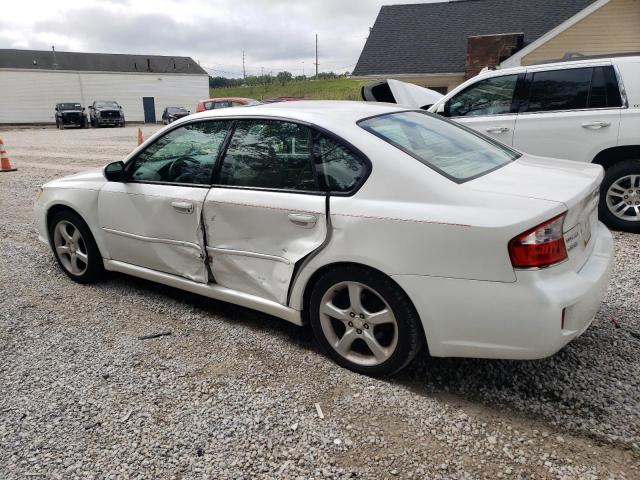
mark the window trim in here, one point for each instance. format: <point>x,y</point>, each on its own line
<point>514,98</point>
<point>368,168</point>
<point>130,161</point>
<point>459,181</point>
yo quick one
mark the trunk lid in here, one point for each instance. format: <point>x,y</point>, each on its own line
<point>574,184</point>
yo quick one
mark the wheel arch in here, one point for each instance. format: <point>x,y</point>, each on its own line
<point>315,276</point>
<point>611,156</point>
<point>56,208</point>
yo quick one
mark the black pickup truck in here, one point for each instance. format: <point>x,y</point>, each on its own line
<point>70,113</point>
<point>106,112</point>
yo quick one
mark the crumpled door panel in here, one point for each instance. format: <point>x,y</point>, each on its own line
<point>255,238</point>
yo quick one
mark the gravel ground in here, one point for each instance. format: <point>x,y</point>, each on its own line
<point>232,393</point>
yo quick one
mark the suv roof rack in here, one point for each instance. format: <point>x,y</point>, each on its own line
<point>575,56</point>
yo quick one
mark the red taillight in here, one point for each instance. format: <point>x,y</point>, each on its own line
<point>539,247</point>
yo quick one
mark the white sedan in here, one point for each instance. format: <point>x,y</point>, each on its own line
<point>383,227</point>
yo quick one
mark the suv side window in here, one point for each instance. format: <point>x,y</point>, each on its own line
<point>492,96</point>
<point>184,155</point>
<point>560,90</point>
<point>339,169</point>
<point>269,154</point>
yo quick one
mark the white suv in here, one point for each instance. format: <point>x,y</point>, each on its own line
<point>586,110</point>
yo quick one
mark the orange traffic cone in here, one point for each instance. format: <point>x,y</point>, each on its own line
<point>140,138</point>
<point>5,164</point>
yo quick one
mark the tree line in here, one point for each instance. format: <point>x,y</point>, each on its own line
<point>281,78</point>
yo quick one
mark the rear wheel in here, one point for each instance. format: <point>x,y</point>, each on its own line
<point>364,321</point>
<point>620,197</point>
<point>74,247</point>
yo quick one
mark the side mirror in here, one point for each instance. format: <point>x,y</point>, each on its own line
<point>440,108</point>
<point>114,172</point>
<point>83,109</point>
<point>90,107</point>
<point>56,109</point>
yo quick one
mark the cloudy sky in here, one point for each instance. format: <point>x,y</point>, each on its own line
<point>275,34</point>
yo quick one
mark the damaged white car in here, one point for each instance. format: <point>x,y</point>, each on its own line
<point>385,228</point>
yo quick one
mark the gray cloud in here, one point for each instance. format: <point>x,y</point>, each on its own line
<point>275,34</point>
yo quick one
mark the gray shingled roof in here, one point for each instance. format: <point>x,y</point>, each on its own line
<point>432,37</point>
<point>97,62</point>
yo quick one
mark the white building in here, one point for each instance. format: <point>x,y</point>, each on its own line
<point>32,82</point>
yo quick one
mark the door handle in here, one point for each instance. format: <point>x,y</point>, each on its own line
<point>497,129</point>
<point>182,207</point>
<point>595,125</point>
<point>303,220</point>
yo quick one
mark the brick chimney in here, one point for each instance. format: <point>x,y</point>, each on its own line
<point>490,50</point>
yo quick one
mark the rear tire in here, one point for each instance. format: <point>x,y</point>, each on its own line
<point>75,248</point>
<point>364,321</point>
<point>619,207</point>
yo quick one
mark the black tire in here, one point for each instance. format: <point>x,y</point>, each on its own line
<point>94,266</point>
<point>410,336</point>
<point>57,123</point>
<point>92,123</point>
<point>613,174</point>
<point>123,124</point>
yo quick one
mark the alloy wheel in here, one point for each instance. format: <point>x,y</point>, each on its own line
<point>70,248</point>
<point>623,198</point>
<point>358,323</point>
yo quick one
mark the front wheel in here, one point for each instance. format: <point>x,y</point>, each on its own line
<point>74,247</point>
<point>620,197</point>
<point>364,321</point>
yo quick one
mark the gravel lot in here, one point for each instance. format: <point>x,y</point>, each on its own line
<point>231,393</point>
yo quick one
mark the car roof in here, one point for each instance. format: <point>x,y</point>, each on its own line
<point>227,99</point>
<point>319,112</point>
<point>590,60</point>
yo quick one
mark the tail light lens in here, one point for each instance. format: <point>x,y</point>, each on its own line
<point>539,247</point>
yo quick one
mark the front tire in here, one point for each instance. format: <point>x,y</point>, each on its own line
<point>620,197</point>
<point>364,321</point>
<point>75,248</point>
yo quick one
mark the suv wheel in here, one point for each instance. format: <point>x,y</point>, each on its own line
<point>74,247</point>
<point>620,197</point>
<point>364,321</point>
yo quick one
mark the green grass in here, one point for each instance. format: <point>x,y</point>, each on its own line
<point>340,89</point>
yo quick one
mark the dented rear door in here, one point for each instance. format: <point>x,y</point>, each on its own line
<point>265,212</point>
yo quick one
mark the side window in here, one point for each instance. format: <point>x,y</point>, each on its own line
<point>560,90</point>
<point>209,105</point>
<point>598,94</point>
<point>223,104</point>
<point>492,96</point>
<point>184,155</point>
<point>339,170</point>
<point>269,154</point>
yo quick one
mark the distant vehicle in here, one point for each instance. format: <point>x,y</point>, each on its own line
<point>171,114</point>
<point>283,99</point>
<point>226,102</point>
<point>106,112</point>
<point>70,113</point>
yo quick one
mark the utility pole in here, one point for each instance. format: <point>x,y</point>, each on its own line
<point>244,71</point>
<point>316,56</point>
<point>55,63</point>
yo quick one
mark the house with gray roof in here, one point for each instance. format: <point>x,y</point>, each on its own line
<point>32,82</point>
<point>439,45</point>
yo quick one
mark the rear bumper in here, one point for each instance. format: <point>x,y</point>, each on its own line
<point>519,320</point>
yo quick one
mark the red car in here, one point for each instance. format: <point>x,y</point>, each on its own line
<point>212,103</point>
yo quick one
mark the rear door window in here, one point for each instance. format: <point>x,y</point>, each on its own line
<point>560,90</point>
<point>269,154</point>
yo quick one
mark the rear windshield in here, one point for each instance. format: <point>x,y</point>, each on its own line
<point>456,152</point>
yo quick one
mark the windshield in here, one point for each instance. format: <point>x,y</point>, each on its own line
<point>106,105</point>
<point>176,110</point>
<point>69,106</point>
<point>456,152</point>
